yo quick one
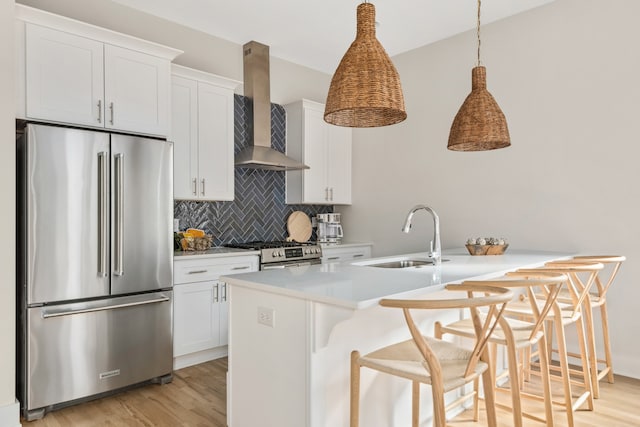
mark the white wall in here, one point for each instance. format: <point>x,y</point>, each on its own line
<point>566,76</point>
<point>8,407</point>
<point>289,82</point>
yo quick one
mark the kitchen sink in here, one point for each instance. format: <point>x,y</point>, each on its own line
<point>403,263</point>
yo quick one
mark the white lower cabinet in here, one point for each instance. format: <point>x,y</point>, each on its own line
<point>201,308</point>
<point>346,252</point>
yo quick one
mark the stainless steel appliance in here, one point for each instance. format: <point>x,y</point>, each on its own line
<point>329,228</point>
<point>284,254</point>
<point>94,264</point>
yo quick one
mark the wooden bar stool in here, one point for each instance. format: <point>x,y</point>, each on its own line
<point>598,299</point>
<point>517,335</point>
<point>581,276</point>
<point>443,365</point>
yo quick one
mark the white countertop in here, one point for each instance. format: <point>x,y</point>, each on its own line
<point>360,286</point>
<point>215,252</point>
<point>345,245</point>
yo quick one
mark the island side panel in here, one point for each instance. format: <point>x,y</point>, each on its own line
<point>268,365</point>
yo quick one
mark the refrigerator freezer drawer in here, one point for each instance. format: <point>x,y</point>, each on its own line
<point>77,350</point>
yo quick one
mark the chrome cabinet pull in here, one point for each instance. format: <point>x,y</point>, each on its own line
<point>111,109</point>
<point>224,292</point>
<point>202,182</point>
<point>215,293</point>
<point>100,111</point>
<point>102,212</point>
<point>326,193</point>
<point>244,267</point>
<point>331,194</point>
<point>195,186</point>
<point>197,271</point>
<point>119,214</point>
<point>332,258</point>
<point>358,255</point>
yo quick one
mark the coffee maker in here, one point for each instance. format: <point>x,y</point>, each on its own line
<point>329,228</point>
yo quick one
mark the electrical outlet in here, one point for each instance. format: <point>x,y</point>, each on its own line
<point>266,316</point>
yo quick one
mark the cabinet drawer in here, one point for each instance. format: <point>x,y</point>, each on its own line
<point>196,270</point>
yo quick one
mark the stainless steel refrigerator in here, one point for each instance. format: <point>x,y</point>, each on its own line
<point>94,264</point>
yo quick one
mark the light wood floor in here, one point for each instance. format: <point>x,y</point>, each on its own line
<point>197,397</point>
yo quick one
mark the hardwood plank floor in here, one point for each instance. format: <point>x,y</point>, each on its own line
<point>197,397</point>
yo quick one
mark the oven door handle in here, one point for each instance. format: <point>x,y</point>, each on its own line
<point>274,267</point>
<point>291,264</point>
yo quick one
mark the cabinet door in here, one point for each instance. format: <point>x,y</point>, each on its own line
<point>136,91</point>
<point>223,320</point>
<point>184,135</point>
<point>215,139</point>
<point>315,188</point>
<point>196,317</point>
<point>339,164</point>
<point>64,77</point>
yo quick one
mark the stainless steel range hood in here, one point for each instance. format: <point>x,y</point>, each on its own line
<point>259,154</point>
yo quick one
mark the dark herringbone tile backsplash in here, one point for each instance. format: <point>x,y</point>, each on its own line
<point>258,211</point>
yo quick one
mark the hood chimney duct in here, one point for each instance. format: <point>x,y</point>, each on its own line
<point>259,154</point>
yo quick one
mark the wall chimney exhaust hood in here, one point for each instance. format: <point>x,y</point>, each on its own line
<point>259,154</point>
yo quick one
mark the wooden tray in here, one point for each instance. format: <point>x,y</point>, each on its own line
<point>487,249</point>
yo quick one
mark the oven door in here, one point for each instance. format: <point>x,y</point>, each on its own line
<point>289,264</point>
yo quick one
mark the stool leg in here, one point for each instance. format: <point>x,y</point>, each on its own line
<point>489,393</point>
<point>564,369</point>
<point>545,377</point>
<point>355,389</point>
<point>586,370</point>
<point>514,383</point>
<point>607,342</point>
<point>415,403</point>
<point>591,343</point>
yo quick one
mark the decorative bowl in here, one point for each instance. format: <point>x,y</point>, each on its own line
<point>487,249</point>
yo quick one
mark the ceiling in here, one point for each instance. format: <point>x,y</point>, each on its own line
<point>316,34</point>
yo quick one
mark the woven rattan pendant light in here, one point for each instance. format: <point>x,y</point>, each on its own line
<point>365,90</point>
<point>480,124</point>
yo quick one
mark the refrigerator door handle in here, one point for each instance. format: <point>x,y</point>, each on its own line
<point>93,306</point>
<point>102,212</point>
<point>119,215</point>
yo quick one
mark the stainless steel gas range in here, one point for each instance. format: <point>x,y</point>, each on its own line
<point>284,254</point>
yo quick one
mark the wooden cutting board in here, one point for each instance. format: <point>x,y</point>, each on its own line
<point>299,226</point>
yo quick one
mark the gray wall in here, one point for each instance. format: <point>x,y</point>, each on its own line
<point>8,411</point>
<point>566,76</point>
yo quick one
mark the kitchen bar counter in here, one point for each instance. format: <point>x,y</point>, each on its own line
<point>292,332</point>
<point>359,286</point>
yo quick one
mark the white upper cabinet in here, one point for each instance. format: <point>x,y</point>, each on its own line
<point>325,148</point>
<point>136,90</point>
<point>75,73</point>
<point>202,132</point>
<point>64,77</point>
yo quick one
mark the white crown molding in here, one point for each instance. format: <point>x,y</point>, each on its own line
<point>62,23</point>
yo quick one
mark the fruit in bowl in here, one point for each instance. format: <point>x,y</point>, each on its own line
<point>486,246</point>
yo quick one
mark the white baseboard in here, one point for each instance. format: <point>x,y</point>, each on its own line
<point>10,415</point>
<point>199,357</point>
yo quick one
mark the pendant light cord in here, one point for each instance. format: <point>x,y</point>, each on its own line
<point>478,32</point>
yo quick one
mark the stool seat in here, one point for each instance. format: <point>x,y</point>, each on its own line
<point>521,331</point>
<point>405,360</point>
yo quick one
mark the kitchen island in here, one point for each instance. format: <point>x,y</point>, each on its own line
<point>292,331</point>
